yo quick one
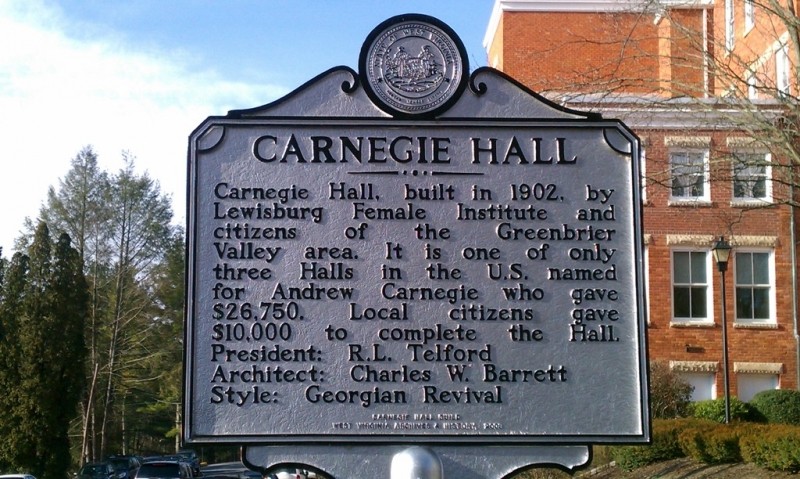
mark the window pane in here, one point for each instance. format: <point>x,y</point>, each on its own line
<point>677,187</point>
<point>699,186</point>
<point>744,268</point>
<point>699,303</point>
<point>751,384</point>
<point>702,384</point>
<point>680,268</point>
<point>760,268</point>
<point>760,188</point>
<point>760,303</point>
<point>688,179</point>
<point>739,189</point>
<point>749,175</point>
<point>744,303</point>
<point>681,302</point>
<point>698,267</point>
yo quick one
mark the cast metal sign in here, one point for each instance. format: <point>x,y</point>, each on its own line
<point>408,254</point>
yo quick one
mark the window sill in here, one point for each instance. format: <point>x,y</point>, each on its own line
<point>755,325</point>
<point>686,324</point>
<point>689,203</point>
<point>752,203</point>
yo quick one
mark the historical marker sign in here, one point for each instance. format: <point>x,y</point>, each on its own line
<point>393,256</point>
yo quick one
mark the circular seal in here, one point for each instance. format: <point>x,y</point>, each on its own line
<point>413,65</point>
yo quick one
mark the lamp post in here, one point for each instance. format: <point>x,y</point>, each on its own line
<point>722,253</point>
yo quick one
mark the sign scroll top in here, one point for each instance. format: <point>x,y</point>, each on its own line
<point>408,272</point>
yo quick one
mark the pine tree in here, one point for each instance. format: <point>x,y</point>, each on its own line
<point>42,315</point>
<point>79,206</point>
<point>120,225</point>
<point>166,343</point>
<point>10,309</point>
<point>67,323</point>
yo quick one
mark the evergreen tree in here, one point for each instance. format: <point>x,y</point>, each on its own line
<point>10,310</point>
<point>120,226</point>
<point>161,411</point>
<point>79,206</point>
<point>42,313</point>
<point>70,298</point>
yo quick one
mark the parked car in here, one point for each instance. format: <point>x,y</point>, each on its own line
<point>124,465</point>
<point>288,474</point>
<point>16,476</point>
<point>229,470</point>
<point>191,458</point>
<point>164,469</point>
<point>97,470</point>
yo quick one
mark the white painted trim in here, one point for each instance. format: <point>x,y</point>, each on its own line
<point>491,28</point>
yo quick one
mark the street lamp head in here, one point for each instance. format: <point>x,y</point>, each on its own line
<point>722,253</point>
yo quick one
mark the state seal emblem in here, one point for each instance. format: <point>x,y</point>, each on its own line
<point>413,65</point>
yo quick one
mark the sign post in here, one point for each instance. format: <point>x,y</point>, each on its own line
<point>413,265</point>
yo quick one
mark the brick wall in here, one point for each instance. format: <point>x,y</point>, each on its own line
<point>629,52</point>
<point>704,343</point>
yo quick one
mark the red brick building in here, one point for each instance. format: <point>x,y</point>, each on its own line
<point>703,84</point>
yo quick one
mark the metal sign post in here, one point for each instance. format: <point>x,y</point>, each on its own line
<point>430,273</point>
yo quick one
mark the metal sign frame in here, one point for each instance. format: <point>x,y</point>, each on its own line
<point>328,162</point>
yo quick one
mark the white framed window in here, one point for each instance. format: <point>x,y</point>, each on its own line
<point>782,71</point>
<point>643,174</point>
<point>751,176</point>
<point>751,80</point>
<point>748,385</point>
<point>755,292</point>
<point>729,25</point>
<point>703,384</point>
<point>689,170</point>
<point>749,15</point>
<point>647,280</point>
<point>691,287</point>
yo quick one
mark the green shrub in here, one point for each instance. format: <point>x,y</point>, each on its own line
<point>714,410</point>
<point>670,395</point>
<point>665,445</point>
<point>601,455</point>
<point>629,458</point>
<point>752,447</point>
<point>778,406</point>
<point>692,440</point>
<point>713,443</point>
<point>774,447</point>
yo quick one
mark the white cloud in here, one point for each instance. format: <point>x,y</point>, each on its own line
<point>59,92</point>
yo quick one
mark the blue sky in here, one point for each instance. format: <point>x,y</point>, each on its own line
<point>140,75</point>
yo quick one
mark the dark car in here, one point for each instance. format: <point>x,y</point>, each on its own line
<point>191,458</point>
<point>229,470</point>
<point>164,469</point>
<point>97,470</point>
<point>124,465</point>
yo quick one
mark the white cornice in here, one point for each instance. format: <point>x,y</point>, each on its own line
<point>494,22</point>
